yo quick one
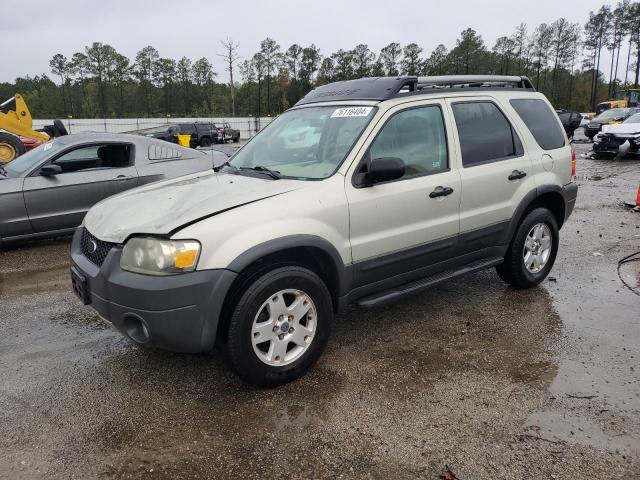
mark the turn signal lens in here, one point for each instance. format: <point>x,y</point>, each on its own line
<point>185,259</point>
<point>573,162</point>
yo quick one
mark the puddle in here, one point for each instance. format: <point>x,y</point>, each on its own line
<point>562,427</point>
<point>35,281</point>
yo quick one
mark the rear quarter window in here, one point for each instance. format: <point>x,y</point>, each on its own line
<point>541,121</point>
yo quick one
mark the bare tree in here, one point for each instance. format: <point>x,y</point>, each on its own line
<point>230,56</point>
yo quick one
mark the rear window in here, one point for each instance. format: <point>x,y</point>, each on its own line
<point>541,121</point>
<point>485,133</point>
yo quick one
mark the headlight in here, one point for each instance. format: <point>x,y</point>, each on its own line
<point>155,256</point>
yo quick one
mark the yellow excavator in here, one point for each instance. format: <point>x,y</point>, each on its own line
<point>621,99</point>
<point>16,123</point>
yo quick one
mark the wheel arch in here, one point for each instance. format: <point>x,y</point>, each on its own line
<point>548,196</point>
<point>311,251</point>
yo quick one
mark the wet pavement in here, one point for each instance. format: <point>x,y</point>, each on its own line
<point>494,382</point>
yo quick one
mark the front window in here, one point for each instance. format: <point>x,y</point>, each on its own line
<point>416,136</point>
<point>307,143</point>
<point>32,158</point>
<point>94,157</point>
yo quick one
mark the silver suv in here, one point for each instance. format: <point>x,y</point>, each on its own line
<point>364,192</point>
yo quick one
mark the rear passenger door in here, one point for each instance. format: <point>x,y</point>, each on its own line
<point>496,171</point>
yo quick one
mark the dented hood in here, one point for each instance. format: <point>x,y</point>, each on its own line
<point>164,207</point>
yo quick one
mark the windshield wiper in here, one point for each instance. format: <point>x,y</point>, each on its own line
<point>217,168</point>
<point>260,168</point>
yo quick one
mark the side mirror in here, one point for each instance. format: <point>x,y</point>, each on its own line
<point>383,170</point>
<point>50,170</point>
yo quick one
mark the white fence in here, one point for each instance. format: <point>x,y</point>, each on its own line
<point>248,126</point>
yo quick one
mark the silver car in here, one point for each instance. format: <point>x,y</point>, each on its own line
<point>48,190</point>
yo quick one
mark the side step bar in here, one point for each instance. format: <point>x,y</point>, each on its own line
<point>417,286</point>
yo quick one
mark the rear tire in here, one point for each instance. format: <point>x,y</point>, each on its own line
<point>10,147</point>
<point>205,142</point>
<point>533,250</point>
<point>269,342</point>
<point>236,139</point>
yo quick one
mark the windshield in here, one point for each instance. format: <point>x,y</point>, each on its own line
<point>614,113</point>
<point>30,159</point>
<point>633,119</point>
<point>307,143</point>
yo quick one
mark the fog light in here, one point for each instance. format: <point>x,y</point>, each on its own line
<point>136,329</point>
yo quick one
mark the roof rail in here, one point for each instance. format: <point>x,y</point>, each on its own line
<point>475,81</point>
<point>375,88</point>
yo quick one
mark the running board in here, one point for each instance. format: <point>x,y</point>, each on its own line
<point>417,286</point>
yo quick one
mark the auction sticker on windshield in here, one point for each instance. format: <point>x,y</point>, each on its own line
<point>351,112</point>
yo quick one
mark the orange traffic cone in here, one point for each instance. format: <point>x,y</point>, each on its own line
<point>635,206</point>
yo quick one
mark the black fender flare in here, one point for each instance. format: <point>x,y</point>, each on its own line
<point>296,241</point>
<point>527,200</point>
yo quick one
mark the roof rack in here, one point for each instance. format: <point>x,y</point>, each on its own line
<point>376,88</point>
<point>384,88</point>
<point>472,81</point>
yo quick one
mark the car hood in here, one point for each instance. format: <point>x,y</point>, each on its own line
<point>164,207</point>
<point>606,121</point>
<point>622,128</point>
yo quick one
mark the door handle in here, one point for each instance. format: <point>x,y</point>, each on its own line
<point>122,178</point>
<point>441,192</point>
<point>517,175</point>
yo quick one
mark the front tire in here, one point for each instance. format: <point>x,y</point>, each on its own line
<point>533,250</point>
<point>205,142</point>
<point>280,326</point>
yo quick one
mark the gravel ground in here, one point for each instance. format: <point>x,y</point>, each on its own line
<point>494,382</point>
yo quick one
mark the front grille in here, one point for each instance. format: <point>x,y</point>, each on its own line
<point>92,248</point>
<point>612,140</point>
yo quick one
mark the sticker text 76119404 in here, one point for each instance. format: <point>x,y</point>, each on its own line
<point>351,112</point>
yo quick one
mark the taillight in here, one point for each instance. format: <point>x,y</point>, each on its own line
<point>573,162</point>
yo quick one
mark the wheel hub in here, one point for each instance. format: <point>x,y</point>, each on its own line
<point>284,327</point>
<point>7,153</point>
<point>537,247</point>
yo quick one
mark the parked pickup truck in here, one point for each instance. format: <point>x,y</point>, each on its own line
<point>228,133</point>
<point>203,134</point>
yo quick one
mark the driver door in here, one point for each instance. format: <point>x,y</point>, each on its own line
<point>89,173</point>
<point>410,223</point>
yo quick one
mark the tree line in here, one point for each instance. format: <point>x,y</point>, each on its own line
<point>563,59</point>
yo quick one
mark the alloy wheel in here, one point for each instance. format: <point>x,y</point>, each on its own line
<point>284,327</point>
<point>537,247</point>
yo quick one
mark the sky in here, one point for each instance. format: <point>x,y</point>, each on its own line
<point>36,30</point>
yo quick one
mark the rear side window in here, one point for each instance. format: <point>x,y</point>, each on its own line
<point>157,152</point>
<point>485,133</point>
<point>541,121</point>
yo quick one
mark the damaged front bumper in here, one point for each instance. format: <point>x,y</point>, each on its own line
<point>616,145</point>
<point>173,312</point>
